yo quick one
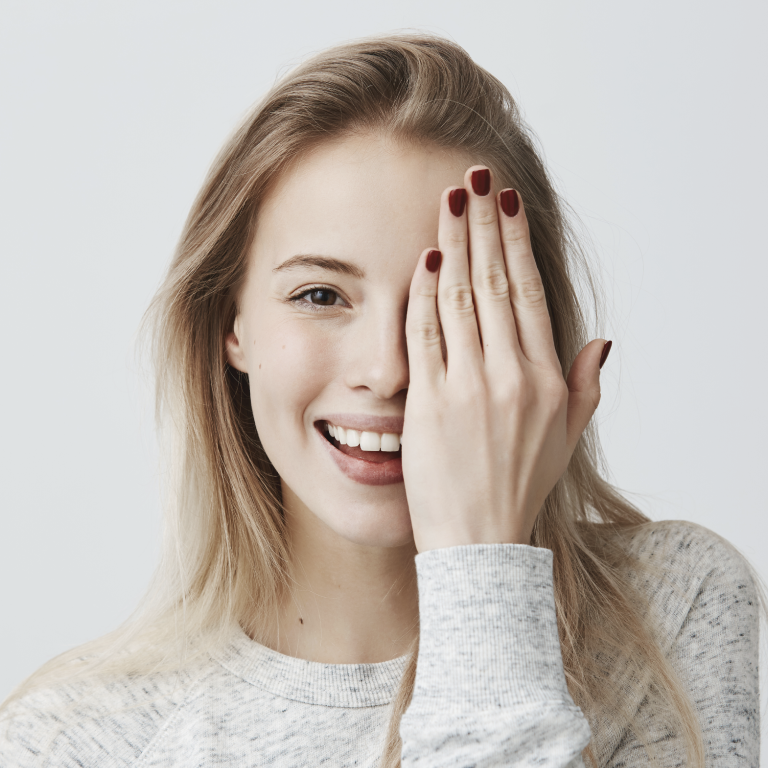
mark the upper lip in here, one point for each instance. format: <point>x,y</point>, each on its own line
<point>366,423</point>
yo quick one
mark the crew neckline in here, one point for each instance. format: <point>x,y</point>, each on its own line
<point>311,682</point>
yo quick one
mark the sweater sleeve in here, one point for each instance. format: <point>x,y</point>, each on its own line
<point>715,654</point>
<point>490,686</point>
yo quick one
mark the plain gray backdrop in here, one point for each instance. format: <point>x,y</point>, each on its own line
<point>653,119</point>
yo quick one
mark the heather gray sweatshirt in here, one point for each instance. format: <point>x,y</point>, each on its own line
<point>490,688</point>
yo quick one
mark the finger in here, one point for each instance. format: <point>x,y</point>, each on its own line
<point>454,289</point>
<point>488,271</point>
<point>529,302</point>
<point>584,389</point>
<point>422,329</point>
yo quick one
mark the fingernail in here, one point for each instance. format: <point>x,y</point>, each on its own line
<point>457,199</point>
<point>510,202</point>
<point>481,182</point>
<point>606,349</point>
<point>433,260</point>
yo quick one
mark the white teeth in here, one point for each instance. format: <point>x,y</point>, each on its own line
<point>370,441</point>
<point>353,438</point>
<point>390,442</point>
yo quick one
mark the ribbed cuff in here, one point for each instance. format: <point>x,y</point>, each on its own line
<point>488,628</point>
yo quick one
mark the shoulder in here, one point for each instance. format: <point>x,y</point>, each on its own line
<point>687,572</point>
<point>90,722</point>
<point>688,550</point>
<point>699,599</point>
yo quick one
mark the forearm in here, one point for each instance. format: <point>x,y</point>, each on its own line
<point>490,686</point>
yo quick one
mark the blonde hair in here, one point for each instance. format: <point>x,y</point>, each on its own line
<point>225,551</point>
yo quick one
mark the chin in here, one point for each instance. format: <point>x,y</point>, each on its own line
<point>372,527</point>
<point>368,516</point>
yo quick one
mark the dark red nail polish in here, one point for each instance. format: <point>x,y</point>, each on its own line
<point>481,182</point>
<point>433,260</point>
<point>457,200</point>
<point>606,349</point>
<point>510,202</point>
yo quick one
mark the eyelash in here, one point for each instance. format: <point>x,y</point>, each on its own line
<point>315,307</point>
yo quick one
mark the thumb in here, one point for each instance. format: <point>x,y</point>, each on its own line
<point>584,388</point>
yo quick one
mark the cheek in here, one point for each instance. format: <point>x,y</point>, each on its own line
<point>292,365</point>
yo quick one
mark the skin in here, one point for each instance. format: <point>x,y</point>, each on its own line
<point>490,424</point>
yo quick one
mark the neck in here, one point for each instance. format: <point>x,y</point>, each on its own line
<point>347,603</point>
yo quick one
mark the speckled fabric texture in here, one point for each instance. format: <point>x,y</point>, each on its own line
<point>490,687</point>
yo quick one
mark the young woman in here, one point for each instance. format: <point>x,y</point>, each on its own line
<point>388,538</point>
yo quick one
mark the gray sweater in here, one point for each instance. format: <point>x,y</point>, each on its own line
<point>490,687</point>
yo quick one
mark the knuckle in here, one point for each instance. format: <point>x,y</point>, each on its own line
<point>456,237</point>
<point>473,390</point>
<point>525,394</point>
<point>458,299</point>
<point>495,283</point>
<point>516,235</point>
<point>485,217</point>
<point>425,332</point>
<point>530,292</point>
<point>514,391</point>
<point>426,291</point>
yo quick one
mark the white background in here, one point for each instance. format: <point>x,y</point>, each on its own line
<point>653,117</point>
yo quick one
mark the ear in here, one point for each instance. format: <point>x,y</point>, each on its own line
<point>235,347</point>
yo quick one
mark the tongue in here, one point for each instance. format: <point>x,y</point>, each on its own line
<point>377,457</point>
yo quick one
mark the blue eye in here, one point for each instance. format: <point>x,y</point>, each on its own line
<point>317,297</point>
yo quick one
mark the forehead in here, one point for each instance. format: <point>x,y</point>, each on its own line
<point>362,198</point>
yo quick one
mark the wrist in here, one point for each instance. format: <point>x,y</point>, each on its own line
<point>442,538</point>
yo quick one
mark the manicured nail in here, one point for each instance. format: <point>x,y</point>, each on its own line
<point>433,260</point>
<point>481,181</point>
<point>457,199</point>
<point>606,349</point>
<point>510,202</point>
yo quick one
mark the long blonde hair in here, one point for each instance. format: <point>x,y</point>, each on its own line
<point>225,551</point>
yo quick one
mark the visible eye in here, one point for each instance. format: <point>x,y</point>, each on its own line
<point>316,298</point>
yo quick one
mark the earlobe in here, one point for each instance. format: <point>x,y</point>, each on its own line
<point>235,356</point>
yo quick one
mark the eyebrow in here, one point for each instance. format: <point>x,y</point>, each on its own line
<point>322,262</point>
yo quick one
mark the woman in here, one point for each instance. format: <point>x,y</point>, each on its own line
<point>387,535</point>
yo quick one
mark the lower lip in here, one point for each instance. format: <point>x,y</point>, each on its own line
<point>365,472</point>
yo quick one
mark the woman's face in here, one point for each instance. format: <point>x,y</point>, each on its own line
<point>359,211</point>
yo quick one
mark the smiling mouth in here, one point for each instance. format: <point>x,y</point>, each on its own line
<point>373,457</point>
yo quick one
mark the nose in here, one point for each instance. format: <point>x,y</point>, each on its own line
<point>379,357</point>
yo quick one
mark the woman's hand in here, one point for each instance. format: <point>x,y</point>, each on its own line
<point>489,430</point>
